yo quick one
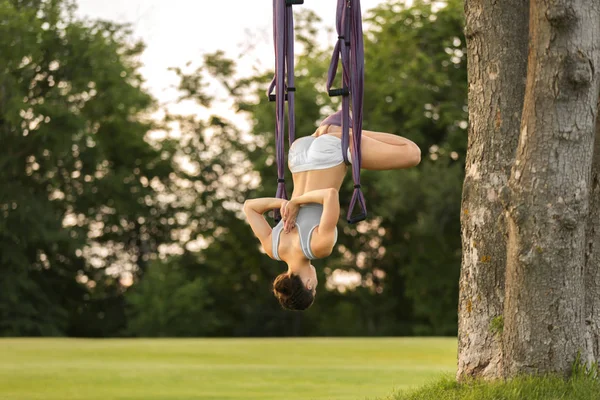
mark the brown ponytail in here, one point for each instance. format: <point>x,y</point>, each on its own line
<point>291,292</point>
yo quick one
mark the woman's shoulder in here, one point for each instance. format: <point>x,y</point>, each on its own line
<point>322,244</point>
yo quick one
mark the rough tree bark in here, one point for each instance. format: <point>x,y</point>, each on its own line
<point>549,189</point>
<point>592,261</point>
<point>496,35</point>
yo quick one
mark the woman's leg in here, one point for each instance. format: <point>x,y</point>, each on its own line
<point>379,155</point>
<point>383,151</point>
<point>387,138</point>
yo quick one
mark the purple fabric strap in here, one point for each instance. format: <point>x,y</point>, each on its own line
<point>351,49</point>
<point>283,38</point>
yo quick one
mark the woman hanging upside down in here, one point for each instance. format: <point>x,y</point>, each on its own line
<point>307,230</point>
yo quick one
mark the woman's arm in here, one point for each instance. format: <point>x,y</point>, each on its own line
<point>263,204</point>
<point>314,196</point>
<point>331,209</point>
<point>254,210</point>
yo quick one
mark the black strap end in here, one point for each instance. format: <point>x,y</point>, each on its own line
<point>357,218</point>
<point>293,2</point>
<point>339,92</point>
<point>273,97</point>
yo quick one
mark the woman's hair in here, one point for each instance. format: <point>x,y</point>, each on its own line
<point>291,292</point>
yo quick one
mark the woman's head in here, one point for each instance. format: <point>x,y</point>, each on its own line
<point>294,292</point>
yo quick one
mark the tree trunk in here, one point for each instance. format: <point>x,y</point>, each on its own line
<point>549,190</point>
<point>497,58</point>
<point>592,261</point>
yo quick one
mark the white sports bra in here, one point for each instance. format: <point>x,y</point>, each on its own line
<point>311,153</point>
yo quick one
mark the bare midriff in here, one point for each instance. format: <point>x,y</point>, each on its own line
<point>308,181</point>
<point>333,177</point>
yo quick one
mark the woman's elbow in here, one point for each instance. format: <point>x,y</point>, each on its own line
<point>332,194</point>
<point>247,207</point>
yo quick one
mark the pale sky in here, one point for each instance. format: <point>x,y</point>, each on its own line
<point>178,31</point>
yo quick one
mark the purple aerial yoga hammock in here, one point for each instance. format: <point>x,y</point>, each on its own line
<point>283,37</point>
<point>350,46</point>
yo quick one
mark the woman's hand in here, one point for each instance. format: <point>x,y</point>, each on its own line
<point>289,215</point>
<point>282,209</point>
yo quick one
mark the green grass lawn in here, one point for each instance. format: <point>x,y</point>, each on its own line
<point>237,369</point>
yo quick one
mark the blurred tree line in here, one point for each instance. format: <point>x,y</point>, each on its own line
<point>119,218</point>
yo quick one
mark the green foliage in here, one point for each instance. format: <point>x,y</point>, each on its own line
<point>74,170</point>
<point>582,369</point>
<point>94,190</point>
<point>416,86</point>
<point>497,325</point>
<point>166,303</point>
<point>530,388</point>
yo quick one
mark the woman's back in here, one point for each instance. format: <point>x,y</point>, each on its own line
<point>308,181</point>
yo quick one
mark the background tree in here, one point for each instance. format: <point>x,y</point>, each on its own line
<point>78,201</point>
<point>548,191</point>
<point>592,261</point>
<point>541,328</point>
<point>497,43</point>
